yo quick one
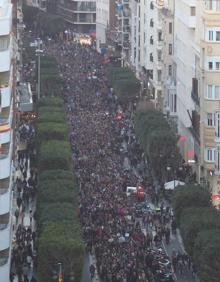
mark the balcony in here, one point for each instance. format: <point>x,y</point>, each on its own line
<point>6,21</point>
<point>5,203</point>
<point>5,231</point>
<point>4,116</point>
<point>5,93</point>
<point>5,164</point>
<point>192,22</point>
<point>5,78</point>
<point>5,58</point>
<point>4,256</point>
<point>4,185</point>
<point>5,135</point>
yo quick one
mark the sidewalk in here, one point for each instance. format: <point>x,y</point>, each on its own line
<point>177,246</point>
<point>23,220</point>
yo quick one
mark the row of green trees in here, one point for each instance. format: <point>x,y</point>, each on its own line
<point>51,82</point>
<point>199,223</point>
<point>45,23</point>
<point>157,140</point>
<point>124,82</point>
<point>60,237</point>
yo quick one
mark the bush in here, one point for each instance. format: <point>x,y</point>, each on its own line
<point>57,174</point>
<point>51,131</point>
<point>60,242</point>
<point>207,255</point>
<point>124,82</point>
<point>54,212</point>
<point>157,139</point>
<point>54,155</point>
<point>53,116</point>
<point>50,102</point>
<point>190,196</point>
<point>57,190</point>
<point>195,220</point>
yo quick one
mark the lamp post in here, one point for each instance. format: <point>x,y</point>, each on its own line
<point>39,53</point>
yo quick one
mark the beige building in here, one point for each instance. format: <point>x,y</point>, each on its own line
<point>209,86</point>
<point>175,48</point>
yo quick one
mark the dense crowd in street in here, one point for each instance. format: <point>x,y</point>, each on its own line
<point>124,232</point>
<point>24,248</point>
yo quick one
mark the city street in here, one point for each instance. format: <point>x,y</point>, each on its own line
<point>107,159</point>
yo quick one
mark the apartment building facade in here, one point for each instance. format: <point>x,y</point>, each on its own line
<point>152,45</point>
<point>6,141</point>
<point>191,93</point>
<point>102,21</point>
<point>80,14</point>
<point>209,89</point>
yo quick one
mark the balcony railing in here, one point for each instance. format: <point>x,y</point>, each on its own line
<point>4,255</point>
<point>4,150</point>
<point>4,115</point>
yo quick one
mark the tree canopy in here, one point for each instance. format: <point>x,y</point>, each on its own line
<point>124,82</point>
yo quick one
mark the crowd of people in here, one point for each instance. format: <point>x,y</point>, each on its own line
<point>24,256</point>
<point>124,233</point>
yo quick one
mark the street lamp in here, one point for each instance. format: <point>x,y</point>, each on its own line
<point>39,53</point>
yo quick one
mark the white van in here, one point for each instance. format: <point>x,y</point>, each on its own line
<point>131,190</point>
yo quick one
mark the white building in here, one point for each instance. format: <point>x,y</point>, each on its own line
<point>81,14</point>
<point>6,113</point>
<point>102,21</point>
<point>149,49</point>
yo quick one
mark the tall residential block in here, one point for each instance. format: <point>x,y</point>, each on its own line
<point>6,141</point>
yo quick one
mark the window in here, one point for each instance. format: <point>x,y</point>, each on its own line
<point>210,120</point>
<point>217,161</point>
<point>151,23</point>
<point>159,55</point>
<point>151,5</point>
<point>170,28</point>
<point>210,35</point>
<point>4,42</point>
<point>209,154</point>
<point>159,75</point>
<point>210,4</point>
<point>217,35</point>
<point>217,65</point>
<point>172,102</point>
<point>151,57</point>
<point>210,65</point>
<point>217,5</point>
<point>217,124</point>
<point>170,49</point>
<point>209,92</point>
<point>192,11</point>
<point>170,70</point>
<point>160,36</point>
<point>217,92</point>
